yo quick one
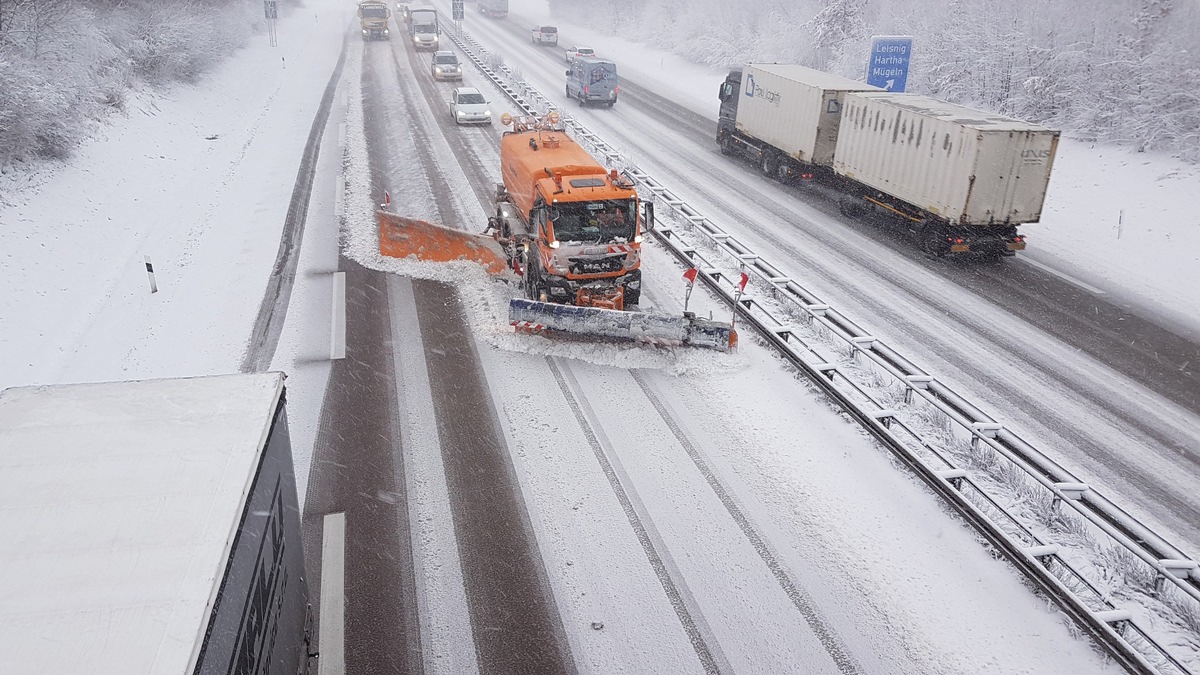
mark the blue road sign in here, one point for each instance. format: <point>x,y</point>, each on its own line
<point>888,67</point>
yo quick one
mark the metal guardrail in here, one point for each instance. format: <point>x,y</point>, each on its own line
<point>804,329</point>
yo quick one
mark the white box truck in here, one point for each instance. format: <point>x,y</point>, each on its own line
<point>959,180</point>
<point>784,118</point>
<point>150,527</point>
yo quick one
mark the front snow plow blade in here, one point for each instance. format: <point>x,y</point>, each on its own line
<point>401,237</point>
<point>533,316</point>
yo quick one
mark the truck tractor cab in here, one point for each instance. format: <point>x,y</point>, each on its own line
<point>728,95</point>
<point>373,18</point>
<point>575,232</point>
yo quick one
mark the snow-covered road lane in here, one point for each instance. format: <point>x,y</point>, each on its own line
<point>619,612</point>
<point>1106,425</point>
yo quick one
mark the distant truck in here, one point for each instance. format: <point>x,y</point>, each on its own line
<point>960,180</point>
<point>373,16</point>
<point>151,527</point>
<point>494,8</point>
<point>423,27</point>
<point>593,80</point>
<point>545,35</point>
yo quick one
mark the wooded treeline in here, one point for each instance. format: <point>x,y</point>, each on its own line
<point>1123,71</point>
<point>66,63</point>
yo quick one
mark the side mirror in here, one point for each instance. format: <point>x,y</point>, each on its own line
<point>648,207</point>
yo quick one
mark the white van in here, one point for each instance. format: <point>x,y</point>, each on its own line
<point>593,80</point>
<point>545,35</point>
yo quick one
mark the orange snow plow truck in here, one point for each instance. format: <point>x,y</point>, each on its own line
<point>572,231</point>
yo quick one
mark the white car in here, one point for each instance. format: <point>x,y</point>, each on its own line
<point>468,106</point>
<point>579,52</point>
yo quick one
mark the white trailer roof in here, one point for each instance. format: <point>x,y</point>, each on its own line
<point>813,77</point>
<point>118,506</point>
<point>967,117</point>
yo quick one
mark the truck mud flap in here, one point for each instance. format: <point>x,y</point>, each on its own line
<point>611,324</point>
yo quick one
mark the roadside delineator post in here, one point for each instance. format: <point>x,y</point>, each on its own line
<point>737,298</point>
<point>150,273</point>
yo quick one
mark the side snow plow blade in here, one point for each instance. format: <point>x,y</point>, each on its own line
<point>529,315</point>
<point>401,237</point>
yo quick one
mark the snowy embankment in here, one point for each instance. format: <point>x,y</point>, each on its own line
<point>197,180</point>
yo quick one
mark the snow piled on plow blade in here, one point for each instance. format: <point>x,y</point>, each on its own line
<point>401,237</point>
<point>686,329</point>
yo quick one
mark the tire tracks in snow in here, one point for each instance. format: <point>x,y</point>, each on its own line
<point>272,311</point>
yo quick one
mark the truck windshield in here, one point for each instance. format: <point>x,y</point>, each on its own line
<point>372,12</point>
<point>604,221</point>
<point>423,21</point>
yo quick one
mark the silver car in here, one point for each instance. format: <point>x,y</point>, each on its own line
<point>445,66</point>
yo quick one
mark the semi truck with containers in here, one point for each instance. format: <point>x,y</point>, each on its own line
<point>494,8</point>
<point>960,180</point>
<point>151,527</point>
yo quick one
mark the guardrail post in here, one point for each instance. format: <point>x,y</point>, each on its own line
<point>915,382</point>
<point>1117,618</point>
<point>885,417</point>
<point>983,430</point>
<point>954,476</point>
<point>860,344</point>
<point>1180,569</point>
<point>1072,491</point>
<point>814,311</point>
<point>1042,554</point>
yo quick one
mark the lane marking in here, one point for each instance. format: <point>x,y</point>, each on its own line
<point>826,634</point>
<point>339,196</point>
<point>695,626</point>
<point>447,638</point>
<point>1063,275</point>
<point>332,638</point>
<point>337,328</point>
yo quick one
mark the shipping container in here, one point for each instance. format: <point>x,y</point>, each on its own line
<point>967,167</point>
<point>792,110</point>
<point>150,527</point>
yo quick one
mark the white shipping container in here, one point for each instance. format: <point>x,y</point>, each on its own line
<point>795,109</point>
<point>970,167</point>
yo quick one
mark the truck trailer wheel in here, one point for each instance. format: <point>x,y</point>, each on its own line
<point>768,165</point>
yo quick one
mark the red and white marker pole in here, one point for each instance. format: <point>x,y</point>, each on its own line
<point>737,298</point>
<point>690,275</point>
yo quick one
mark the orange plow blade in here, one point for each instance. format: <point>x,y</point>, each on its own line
<point>401,237</point>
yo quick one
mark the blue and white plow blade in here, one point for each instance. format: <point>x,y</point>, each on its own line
<point>686,329</point>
